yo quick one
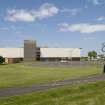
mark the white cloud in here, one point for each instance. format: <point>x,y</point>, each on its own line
<point>73,11</point>
<point>82,28</point>
<point>20,15</point>
<point>101,18</point>
<point>45,11</point>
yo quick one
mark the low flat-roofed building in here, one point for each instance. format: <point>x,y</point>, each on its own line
<point>60,53</point>
<point>12,55</point>
<point>32,53</point>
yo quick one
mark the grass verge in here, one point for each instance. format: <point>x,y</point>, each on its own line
<point>84,94</point>
<point>18,75</point>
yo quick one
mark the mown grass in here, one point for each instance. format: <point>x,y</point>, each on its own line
<point>16,75</point>
<point>84,94</point>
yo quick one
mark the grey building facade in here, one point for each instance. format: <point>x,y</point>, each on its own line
<point>30,51</point>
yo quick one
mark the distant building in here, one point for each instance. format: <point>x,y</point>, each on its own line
<point>12,55</point>
<point>31,53</point>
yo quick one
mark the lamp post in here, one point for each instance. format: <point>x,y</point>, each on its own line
<point>103,50</point>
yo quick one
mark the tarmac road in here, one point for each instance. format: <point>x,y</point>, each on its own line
<point>35,88</point>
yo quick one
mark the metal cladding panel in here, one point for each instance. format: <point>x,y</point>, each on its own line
<point>12,52</point>
<point>29,50</point>
<point>60,52</point>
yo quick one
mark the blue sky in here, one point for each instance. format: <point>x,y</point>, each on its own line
<point>53,23</point>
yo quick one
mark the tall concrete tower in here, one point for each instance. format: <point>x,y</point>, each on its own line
<point>30,50</point>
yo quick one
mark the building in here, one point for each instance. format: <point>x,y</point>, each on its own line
<point>31,53</point>
<point>58,54</point>
<point>12,55</point>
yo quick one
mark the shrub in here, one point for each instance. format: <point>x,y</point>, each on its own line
<point>2,60</point>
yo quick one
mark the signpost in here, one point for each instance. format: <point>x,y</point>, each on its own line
<point>103,50</point>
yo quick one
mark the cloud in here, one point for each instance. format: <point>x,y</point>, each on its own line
<point>82,28</point>
<point>73,11</point>
<point>101,18</point>
<point>94,2</point>
<point>20,15</point>
<point>45,11</point>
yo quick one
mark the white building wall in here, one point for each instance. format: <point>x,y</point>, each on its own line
<point>60,52</point>
<point>12,52</point>
<point>45,52</point>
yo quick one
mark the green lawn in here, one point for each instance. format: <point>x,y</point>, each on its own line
<point>16,75</point>
<point>84,94</point>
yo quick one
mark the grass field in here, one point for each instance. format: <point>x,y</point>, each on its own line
<point>16,75</point>
<point>84,94</point>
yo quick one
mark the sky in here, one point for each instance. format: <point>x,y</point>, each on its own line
<point>53,23</point>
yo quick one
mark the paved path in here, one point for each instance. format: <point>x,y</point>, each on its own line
<point>66,64</point>
<point>43,87</point>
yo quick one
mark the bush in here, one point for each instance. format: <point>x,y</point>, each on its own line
<point>2,60</point>
<point>84,58</point>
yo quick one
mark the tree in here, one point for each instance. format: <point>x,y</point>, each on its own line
<point>2,60</point>
<point>92,54</point>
